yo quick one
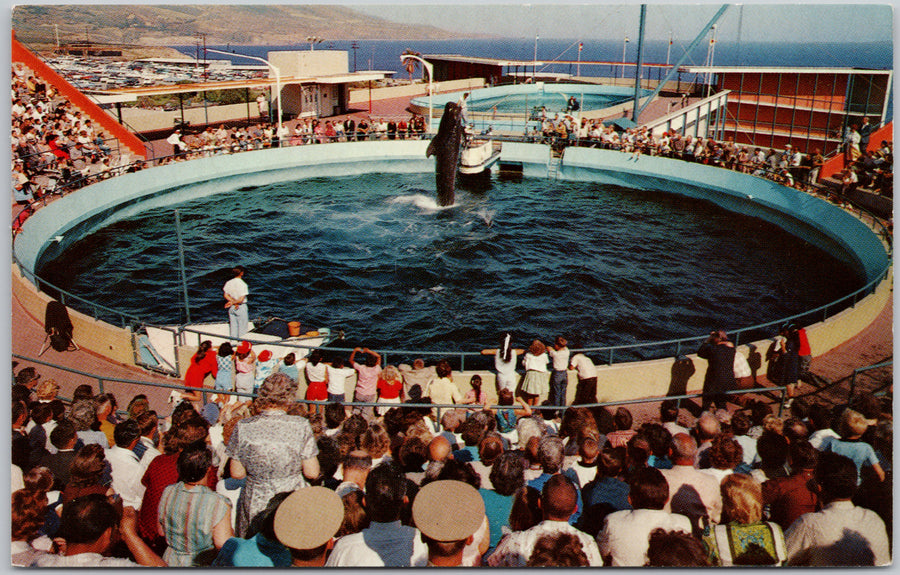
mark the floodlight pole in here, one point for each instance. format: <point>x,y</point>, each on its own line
<point>277,80</point>
<point>640,65</point>
<point>429,67</point>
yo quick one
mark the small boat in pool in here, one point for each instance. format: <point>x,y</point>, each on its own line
<point>478,153</point>
<point>157,345</point>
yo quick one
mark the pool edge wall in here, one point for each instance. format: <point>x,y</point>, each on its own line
<point>620,381</point>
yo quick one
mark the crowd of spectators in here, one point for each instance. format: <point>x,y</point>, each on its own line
<point>270,482</point>
<point>55,145</point>
<point>52,142</point>
<point>264,135</point>
<point>872,169</point>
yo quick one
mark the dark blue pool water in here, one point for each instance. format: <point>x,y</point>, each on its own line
<point>374,256</point>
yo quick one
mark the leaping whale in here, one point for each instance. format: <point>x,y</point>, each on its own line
<point>445,148</point>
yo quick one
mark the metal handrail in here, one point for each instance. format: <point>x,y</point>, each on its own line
<point>101,379</point>
<point>125,318</point>
<point>131,320</point>
<point>859,370</point>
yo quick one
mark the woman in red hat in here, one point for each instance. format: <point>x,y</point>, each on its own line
<point>244,368</point>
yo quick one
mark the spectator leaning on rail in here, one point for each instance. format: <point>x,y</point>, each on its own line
<point>719,352</point>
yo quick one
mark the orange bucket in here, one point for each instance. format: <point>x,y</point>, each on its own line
<point>294,328</point>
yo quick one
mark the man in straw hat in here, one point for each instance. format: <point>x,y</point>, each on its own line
<point>447,513</point>
<point>306,522</point>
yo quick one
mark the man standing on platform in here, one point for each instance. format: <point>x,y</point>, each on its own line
<point>236,292</point>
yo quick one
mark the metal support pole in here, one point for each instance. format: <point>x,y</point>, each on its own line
<point>187,307</point>
<point>685,56</point>
<point>640,62</point>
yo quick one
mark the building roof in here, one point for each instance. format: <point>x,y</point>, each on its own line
<point>777,70</point>
<point>346,78</point>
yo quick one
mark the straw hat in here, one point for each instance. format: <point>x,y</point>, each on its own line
<point>448,510</point>
<point>308,518</point>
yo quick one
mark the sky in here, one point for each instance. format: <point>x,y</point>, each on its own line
<point>796,22</point>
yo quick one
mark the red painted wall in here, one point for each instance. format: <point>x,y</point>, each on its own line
<point>836,164</point>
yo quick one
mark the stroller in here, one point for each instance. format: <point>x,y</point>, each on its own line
<point>58,328</point>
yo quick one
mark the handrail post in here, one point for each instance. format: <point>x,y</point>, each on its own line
<point>175,336</point>
<point>100,384</point>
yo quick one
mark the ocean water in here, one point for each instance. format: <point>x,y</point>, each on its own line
<point>375,256</point>
<point>385,54</point>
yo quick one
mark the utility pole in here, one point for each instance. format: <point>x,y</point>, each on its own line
<point>204,77</point>
<point>355,47</point>
<point>669,49</point>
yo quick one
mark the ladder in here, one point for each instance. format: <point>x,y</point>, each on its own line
<point>553,167</point>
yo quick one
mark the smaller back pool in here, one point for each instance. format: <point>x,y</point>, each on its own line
<point>507,107</point>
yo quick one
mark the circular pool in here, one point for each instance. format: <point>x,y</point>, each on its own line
<point>374,255</point>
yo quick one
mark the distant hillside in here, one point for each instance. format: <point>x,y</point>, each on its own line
<point>164,25</point>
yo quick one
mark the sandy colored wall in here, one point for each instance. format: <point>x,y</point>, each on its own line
<point>361,95</point>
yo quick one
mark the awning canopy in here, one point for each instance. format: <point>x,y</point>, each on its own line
<point>620,124</point>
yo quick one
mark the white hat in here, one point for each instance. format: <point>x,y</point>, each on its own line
<point>448,510</point>
<point>308,518</point>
